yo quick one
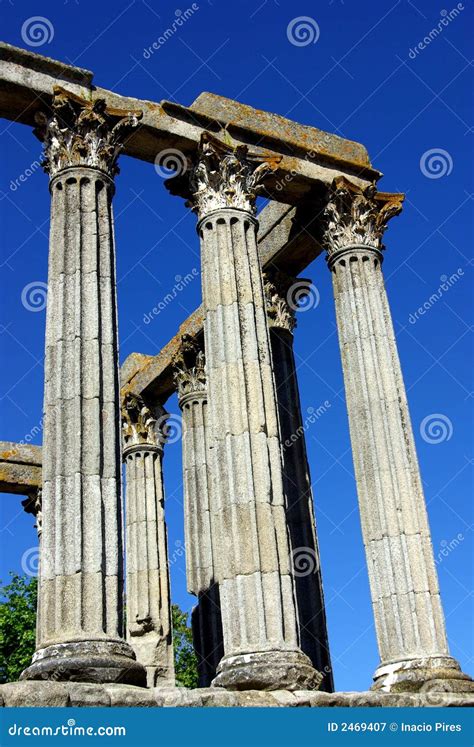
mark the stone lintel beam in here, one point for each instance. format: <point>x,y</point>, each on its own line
<point>20,468</point>
<point>309,156</point>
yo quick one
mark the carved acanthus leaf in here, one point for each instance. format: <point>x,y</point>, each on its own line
<point>189,368</point>
<point>353,216</point>
<point>279,312</point>
<point>141,425</point>
<point>225,176</point>
<point>76,132</point>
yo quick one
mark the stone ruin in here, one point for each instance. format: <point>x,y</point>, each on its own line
<point>259,625</point>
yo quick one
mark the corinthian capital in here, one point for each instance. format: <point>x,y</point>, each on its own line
<point>140,425</point>
<point>190,368</point>
<point>223,176</point>
<point>355,217</point>
<point>76,132</point>
<point>280,312</point>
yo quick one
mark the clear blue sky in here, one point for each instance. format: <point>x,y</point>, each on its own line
<point>359,80</point>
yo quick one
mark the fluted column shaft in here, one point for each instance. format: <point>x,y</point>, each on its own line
<point>80,601</point>
<point>149,626</point>
<point>202,544</point>
<point>297,480</point>
<point>409,619</point>
<point>255,583</point>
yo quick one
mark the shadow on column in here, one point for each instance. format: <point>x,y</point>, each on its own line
<point>207,634</point>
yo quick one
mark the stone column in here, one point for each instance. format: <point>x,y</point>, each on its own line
<point>149,627</point>
<point>409,619</point>
<point>282,295</point>
<point>81,584</point>
<point>200,520</point>
<point>256,586</point>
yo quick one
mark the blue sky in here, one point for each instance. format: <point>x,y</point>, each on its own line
<point>413,112</point>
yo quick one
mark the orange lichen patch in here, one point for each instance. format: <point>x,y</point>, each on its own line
<point>268,125</point>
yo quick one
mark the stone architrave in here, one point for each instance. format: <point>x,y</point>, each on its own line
<point>283,294</point>
<point>409,619</point>
<point>200,519</point>
<point>257,595</point>
<point>81,566</point>
<point>149,627</point>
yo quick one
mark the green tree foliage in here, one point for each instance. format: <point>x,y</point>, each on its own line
<point>185,662</point>
<point>17,625</point>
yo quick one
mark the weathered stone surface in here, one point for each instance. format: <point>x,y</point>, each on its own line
<point>409,619</point>
<point>46,694</point>
<point>200,526</point>
<point>282,293</point>
<point>149,629</point>
<point>27,81</point>
<point>255,584</point>
<point>20,468</point>
<point>79,624</point>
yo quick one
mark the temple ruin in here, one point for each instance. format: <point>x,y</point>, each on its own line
<point>259,626</point>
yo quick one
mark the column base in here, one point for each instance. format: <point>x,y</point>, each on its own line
<point>87,661</point>
<point>430,674</point>
<point>267,670</point>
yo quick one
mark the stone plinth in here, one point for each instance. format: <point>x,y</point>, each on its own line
<point>76,694</point>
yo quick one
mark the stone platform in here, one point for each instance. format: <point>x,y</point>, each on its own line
<point>78,694</point>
